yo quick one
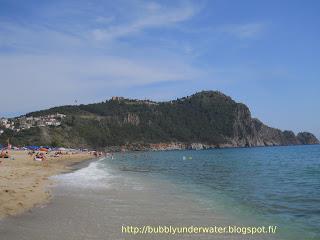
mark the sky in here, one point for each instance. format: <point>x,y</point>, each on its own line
<point>262,53</point>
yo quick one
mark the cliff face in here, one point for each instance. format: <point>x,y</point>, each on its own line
<point>204,120</point>
<point>252,132</point>
<point>307,138</point>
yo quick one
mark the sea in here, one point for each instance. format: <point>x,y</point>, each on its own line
<point>262,186</point>
<point>275,185</point>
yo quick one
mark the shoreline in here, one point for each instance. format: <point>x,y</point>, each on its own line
<point>180,146</point>
<point>25,183</point>
<point>122,200</point>
<point>111,198</point>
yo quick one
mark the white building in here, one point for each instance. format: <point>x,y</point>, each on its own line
<point>61,115</point>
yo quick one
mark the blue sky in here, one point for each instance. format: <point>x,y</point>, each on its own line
<point>262,53</point>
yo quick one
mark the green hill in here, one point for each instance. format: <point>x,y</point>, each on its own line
<point>209,117</point>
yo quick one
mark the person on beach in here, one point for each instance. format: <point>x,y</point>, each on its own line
<point>4,154</point>
<point>40,157</point>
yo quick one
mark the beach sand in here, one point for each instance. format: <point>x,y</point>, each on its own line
<point>24,182</point>
<point>85,206</point>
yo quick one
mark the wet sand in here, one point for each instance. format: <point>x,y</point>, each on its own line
<point>24,182</point>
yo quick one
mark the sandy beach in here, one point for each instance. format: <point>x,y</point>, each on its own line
<point>100,199</point>
<point>96,201</point>
<point>24,182</point>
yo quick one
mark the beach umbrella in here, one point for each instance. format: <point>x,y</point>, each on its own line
<point>34,148</point>
<point>43,150</point>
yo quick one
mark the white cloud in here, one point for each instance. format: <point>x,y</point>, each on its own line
<point>54,64</point>
<point>71,63</point>
<point>52,79</point>
<point>111,71</point>
<point>37,38</point>
<point>105,19</point>
<point>156,16</point>
<point>244,31</point>
<point>152,6</point>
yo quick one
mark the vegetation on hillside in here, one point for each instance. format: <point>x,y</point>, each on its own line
<point>208,117</point>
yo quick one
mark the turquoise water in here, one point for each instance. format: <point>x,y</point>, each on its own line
<point>272,185</point>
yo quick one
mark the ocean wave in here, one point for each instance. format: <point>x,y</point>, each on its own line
<point>94,175</point>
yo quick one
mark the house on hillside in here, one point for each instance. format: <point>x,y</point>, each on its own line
<point>116,98</point>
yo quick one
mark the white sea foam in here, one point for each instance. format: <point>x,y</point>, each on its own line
<point>94,175</point>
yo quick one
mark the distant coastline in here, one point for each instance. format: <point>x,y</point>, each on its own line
<point>182,146</point>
